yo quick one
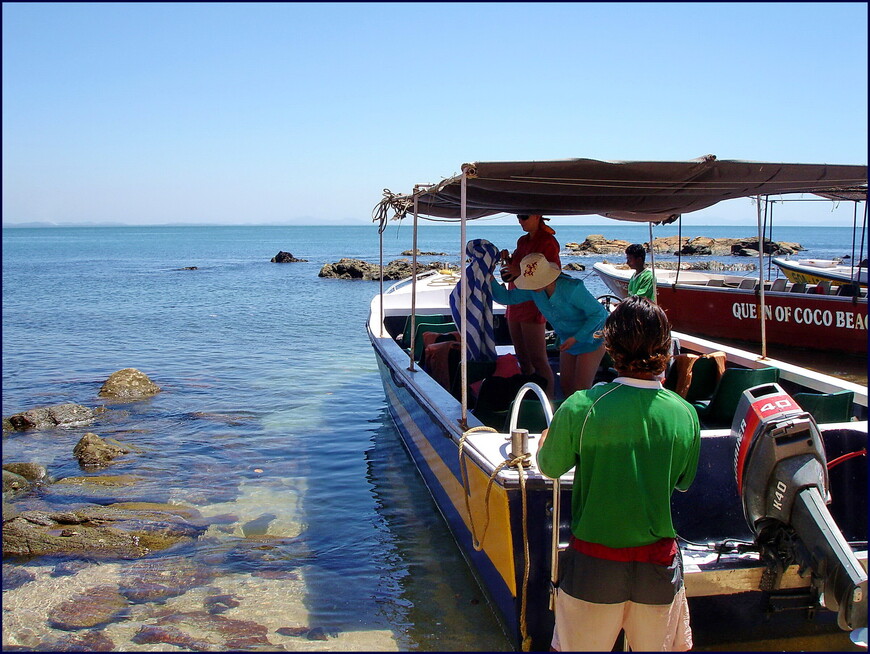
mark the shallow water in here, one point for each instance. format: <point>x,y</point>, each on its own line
<point>271,424</point>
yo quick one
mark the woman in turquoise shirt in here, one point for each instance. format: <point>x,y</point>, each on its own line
<point>573,312</point>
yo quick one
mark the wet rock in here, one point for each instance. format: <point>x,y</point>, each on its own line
<point>745,252</point>
<point>169,635</point>
<point>129,383</point>
<point>93,607</point>
<point>356,269</point>
<point>220,603</point>
<point>579,267</point>
<point>317,634</point>
<point>9,511</point>
<point>96,532</point>
<point>597,244</point>
<point>13,484</point>
<point>86,641</point>
<point>156,580</point>
<point>295,632</point>
<point>92,450</point>
<point>233,634</point>
<point>69,568</point>
<point>32,472</point>
<point>15,576</point>
<point>286,257</point>
<point>410,253</point>
<point>59,415</point>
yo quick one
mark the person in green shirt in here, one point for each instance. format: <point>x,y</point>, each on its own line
<point>631,443</point>
<point>642,282</point>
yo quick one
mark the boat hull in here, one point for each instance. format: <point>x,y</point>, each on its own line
<point>498,513</point>
<point>799,320</point>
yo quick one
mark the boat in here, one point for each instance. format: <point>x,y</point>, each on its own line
<point>510,521</point>
<point>814,316</point>
<point>818,271</point>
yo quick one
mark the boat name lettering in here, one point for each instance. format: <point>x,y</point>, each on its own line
<point>802,315</point>
<point>781,488</point>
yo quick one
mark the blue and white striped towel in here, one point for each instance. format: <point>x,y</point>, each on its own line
<point>480,333</point>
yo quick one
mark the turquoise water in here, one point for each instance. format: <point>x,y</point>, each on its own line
<point>272,421</point>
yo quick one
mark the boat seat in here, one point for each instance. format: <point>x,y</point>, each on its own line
<point>419,320</point>
<point>827,407</point>
<point>799,287</point>
<point>847,290</point>
<point>778,284</point>
<point>748,283</point>
<point>422,328</point>
<point>718,413</point>
<point>716,281</point>
<point>823,287</point>
<point>705,371</point>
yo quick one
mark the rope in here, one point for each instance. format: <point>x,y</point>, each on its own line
<point>846,457</point>
<point>478,543</point>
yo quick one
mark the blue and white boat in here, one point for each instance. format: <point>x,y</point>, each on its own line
<point>752,572</point>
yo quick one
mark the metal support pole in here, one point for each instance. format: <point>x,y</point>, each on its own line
<point>414,286</point>
<point>463,295</point>
<point>761,275</point>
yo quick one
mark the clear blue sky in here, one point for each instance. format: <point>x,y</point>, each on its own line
<point>304,113</point>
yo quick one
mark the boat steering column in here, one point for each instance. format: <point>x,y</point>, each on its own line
<point>782,477</point>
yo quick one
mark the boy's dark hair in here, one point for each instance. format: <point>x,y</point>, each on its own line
<point>637,336</point>
<point>636,250</point>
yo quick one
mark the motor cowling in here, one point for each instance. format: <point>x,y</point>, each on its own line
<point>782,477</point>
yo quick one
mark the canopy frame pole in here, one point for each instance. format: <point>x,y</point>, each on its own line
<point>652,263</point>
<point>381,261</point>
<point>463,297</point>
<point>414,284</point>
<point>761,273</point>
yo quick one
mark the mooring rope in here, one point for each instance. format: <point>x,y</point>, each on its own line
<point>478,543</point>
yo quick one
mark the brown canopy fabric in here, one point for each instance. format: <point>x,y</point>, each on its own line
<point>643,191</point>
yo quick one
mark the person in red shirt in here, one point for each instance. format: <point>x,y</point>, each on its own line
<point>526,324</point>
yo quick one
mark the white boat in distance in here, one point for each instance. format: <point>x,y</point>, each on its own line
<point>815,271</point>
<point>806,577</point>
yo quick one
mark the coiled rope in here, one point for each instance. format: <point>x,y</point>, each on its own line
<point>478,543</point>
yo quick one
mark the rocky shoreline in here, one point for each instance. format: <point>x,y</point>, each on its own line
<point>594,245</point>
<point>87,567</point>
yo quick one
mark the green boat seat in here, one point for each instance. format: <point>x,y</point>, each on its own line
<point>798,287</point>
<point>827,407</point>
<point>718,413</point>
<point>705,371</point>
<point>418,320</point>
<point>422,328</point>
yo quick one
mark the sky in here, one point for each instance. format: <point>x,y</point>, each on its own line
<point>303,113</point>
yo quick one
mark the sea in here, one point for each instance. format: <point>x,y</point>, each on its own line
<point>271,427</point>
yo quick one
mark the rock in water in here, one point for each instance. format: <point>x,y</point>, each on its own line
<point>129,383</point>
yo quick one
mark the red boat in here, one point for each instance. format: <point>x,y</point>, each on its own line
<point>811,316</point>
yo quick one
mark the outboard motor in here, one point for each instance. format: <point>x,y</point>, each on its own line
<point>782,478</point>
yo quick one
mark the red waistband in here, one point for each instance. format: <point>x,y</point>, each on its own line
<point>662,552</point>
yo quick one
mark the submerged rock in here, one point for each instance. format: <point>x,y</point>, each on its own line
<point>32,472</point>
<point>97,532</point>
<point>129,383</point>
<point>156,580</point>
<point>59,415</point>
<point>92,450</point>
<point>286,257</point>
<point>91,608</point>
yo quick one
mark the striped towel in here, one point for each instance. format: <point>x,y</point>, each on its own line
<point>480,334</point>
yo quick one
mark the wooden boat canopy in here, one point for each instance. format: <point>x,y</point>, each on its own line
<point>640,191</point>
